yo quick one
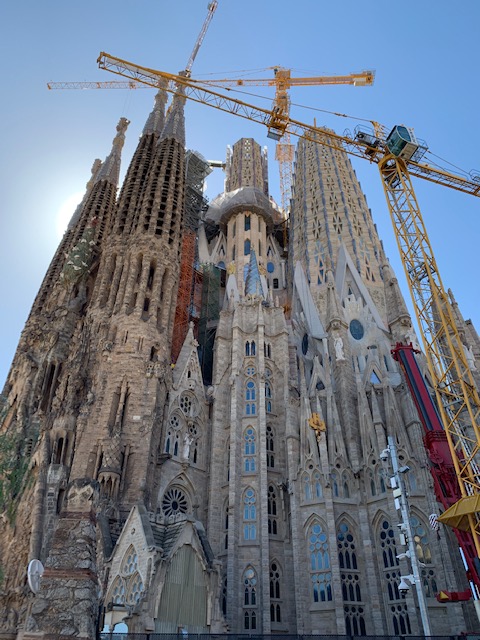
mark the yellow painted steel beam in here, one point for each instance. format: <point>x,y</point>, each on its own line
<point>457,397</point>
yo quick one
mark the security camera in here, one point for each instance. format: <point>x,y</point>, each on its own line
<point>403,587</point>
<point>404,469</point>
<point>384,455</point>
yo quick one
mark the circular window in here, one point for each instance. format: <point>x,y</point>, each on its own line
<point>175,422</point>
<point>174,502</point>
<point>188,405</point>
<point>270,267</point>
<point>305,344</point>
<point>356,329</point>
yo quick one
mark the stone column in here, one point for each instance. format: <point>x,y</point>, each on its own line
<point>67,603</point>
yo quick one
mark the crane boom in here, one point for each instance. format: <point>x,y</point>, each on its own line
<point>211,10</point>
<point>363,79</point>
<point>278,123</point>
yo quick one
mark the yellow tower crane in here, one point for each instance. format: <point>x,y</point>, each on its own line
<point>398,158</point>
<point>282,81</point>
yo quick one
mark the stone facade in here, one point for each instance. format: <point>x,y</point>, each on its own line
<point>257,502</point>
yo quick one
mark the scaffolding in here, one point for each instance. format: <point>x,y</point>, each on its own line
<point>197,169</point>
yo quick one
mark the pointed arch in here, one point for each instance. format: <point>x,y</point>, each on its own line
<point>319,560</point>
<point>250,582</point>
<point>275,592</point>
<point>388,562</point>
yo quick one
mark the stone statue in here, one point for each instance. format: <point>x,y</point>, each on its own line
<point>470,357</point>
<point>338,344</point>
<point>187,443</point>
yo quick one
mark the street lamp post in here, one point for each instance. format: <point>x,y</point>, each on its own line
<point>406,527</point>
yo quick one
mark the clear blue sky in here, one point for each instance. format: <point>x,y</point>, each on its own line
<point>425,55</point>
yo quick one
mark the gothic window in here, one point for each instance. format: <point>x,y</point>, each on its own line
<point>268,397</point>
<point>334,478</point>
<point>249,515</point>
<point>250,371</point>
<point>307,489</point>
<point>391,572</point>
<point>270,447</point>
<point>246,247</point>
<point>252,347</point>
<point>118,591</point>
<point>249,449</point>
<point>275,604</point>
<point>174,502</point>
<point>135,589</point>
<point>350,576</point>
<point>424,554</point>
<point>129,562</point>
<point>247,348</point>
<point>318,485</point>
<point>272,511</point>
<point>371,479</point>
<point>224,596</point>
<point>247,223</point>
<point>320,573</point>
<point>345,486</point>
<point>172,442</point>
<point>188,405</point>
<point>233,252</point>
<point>250,398</point>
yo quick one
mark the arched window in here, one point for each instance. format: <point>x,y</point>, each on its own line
<point>320,573</point>
<point>400,621</point>
<point>268,397</point>
<point>253,347</point>
<point>250,397</point>
<point>247,223</point>
<point>318,485</point>
<point>345,486</point>
<point>307,489</point>
<point>249,438</point>
<point>249,515</point>
<point>249,598</point>
<point>275,604</point>
<point>247,348</point>
<point>272,511</point>
<point>424,554</point>
<point>334,484</point>
<point>224,596</point>
<point>270,448</point>
<point>350,576</point>
<point>246,247</point>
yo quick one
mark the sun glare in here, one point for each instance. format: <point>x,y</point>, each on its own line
<point>66,211</point>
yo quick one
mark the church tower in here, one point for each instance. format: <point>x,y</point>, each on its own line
<point>239,486</point>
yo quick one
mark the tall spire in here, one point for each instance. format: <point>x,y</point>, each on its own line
<point>110,169</point>
<point>253,284</point>
<point>175,119</point>
<point>156,119</point>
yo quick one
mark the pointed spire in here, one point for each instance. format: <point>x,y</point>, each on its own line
<point>397,312</point>
<point>88,188</point>
<point>156,120</point>
<point>110,169</point>
<point>253,283</point>
<point>175,119</point>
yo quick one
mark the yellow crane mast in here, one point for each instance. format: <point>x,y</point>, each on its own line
<point>397,157</point>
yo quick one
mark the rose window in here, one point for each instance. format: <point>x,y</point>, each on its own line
<point>174,502</point>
